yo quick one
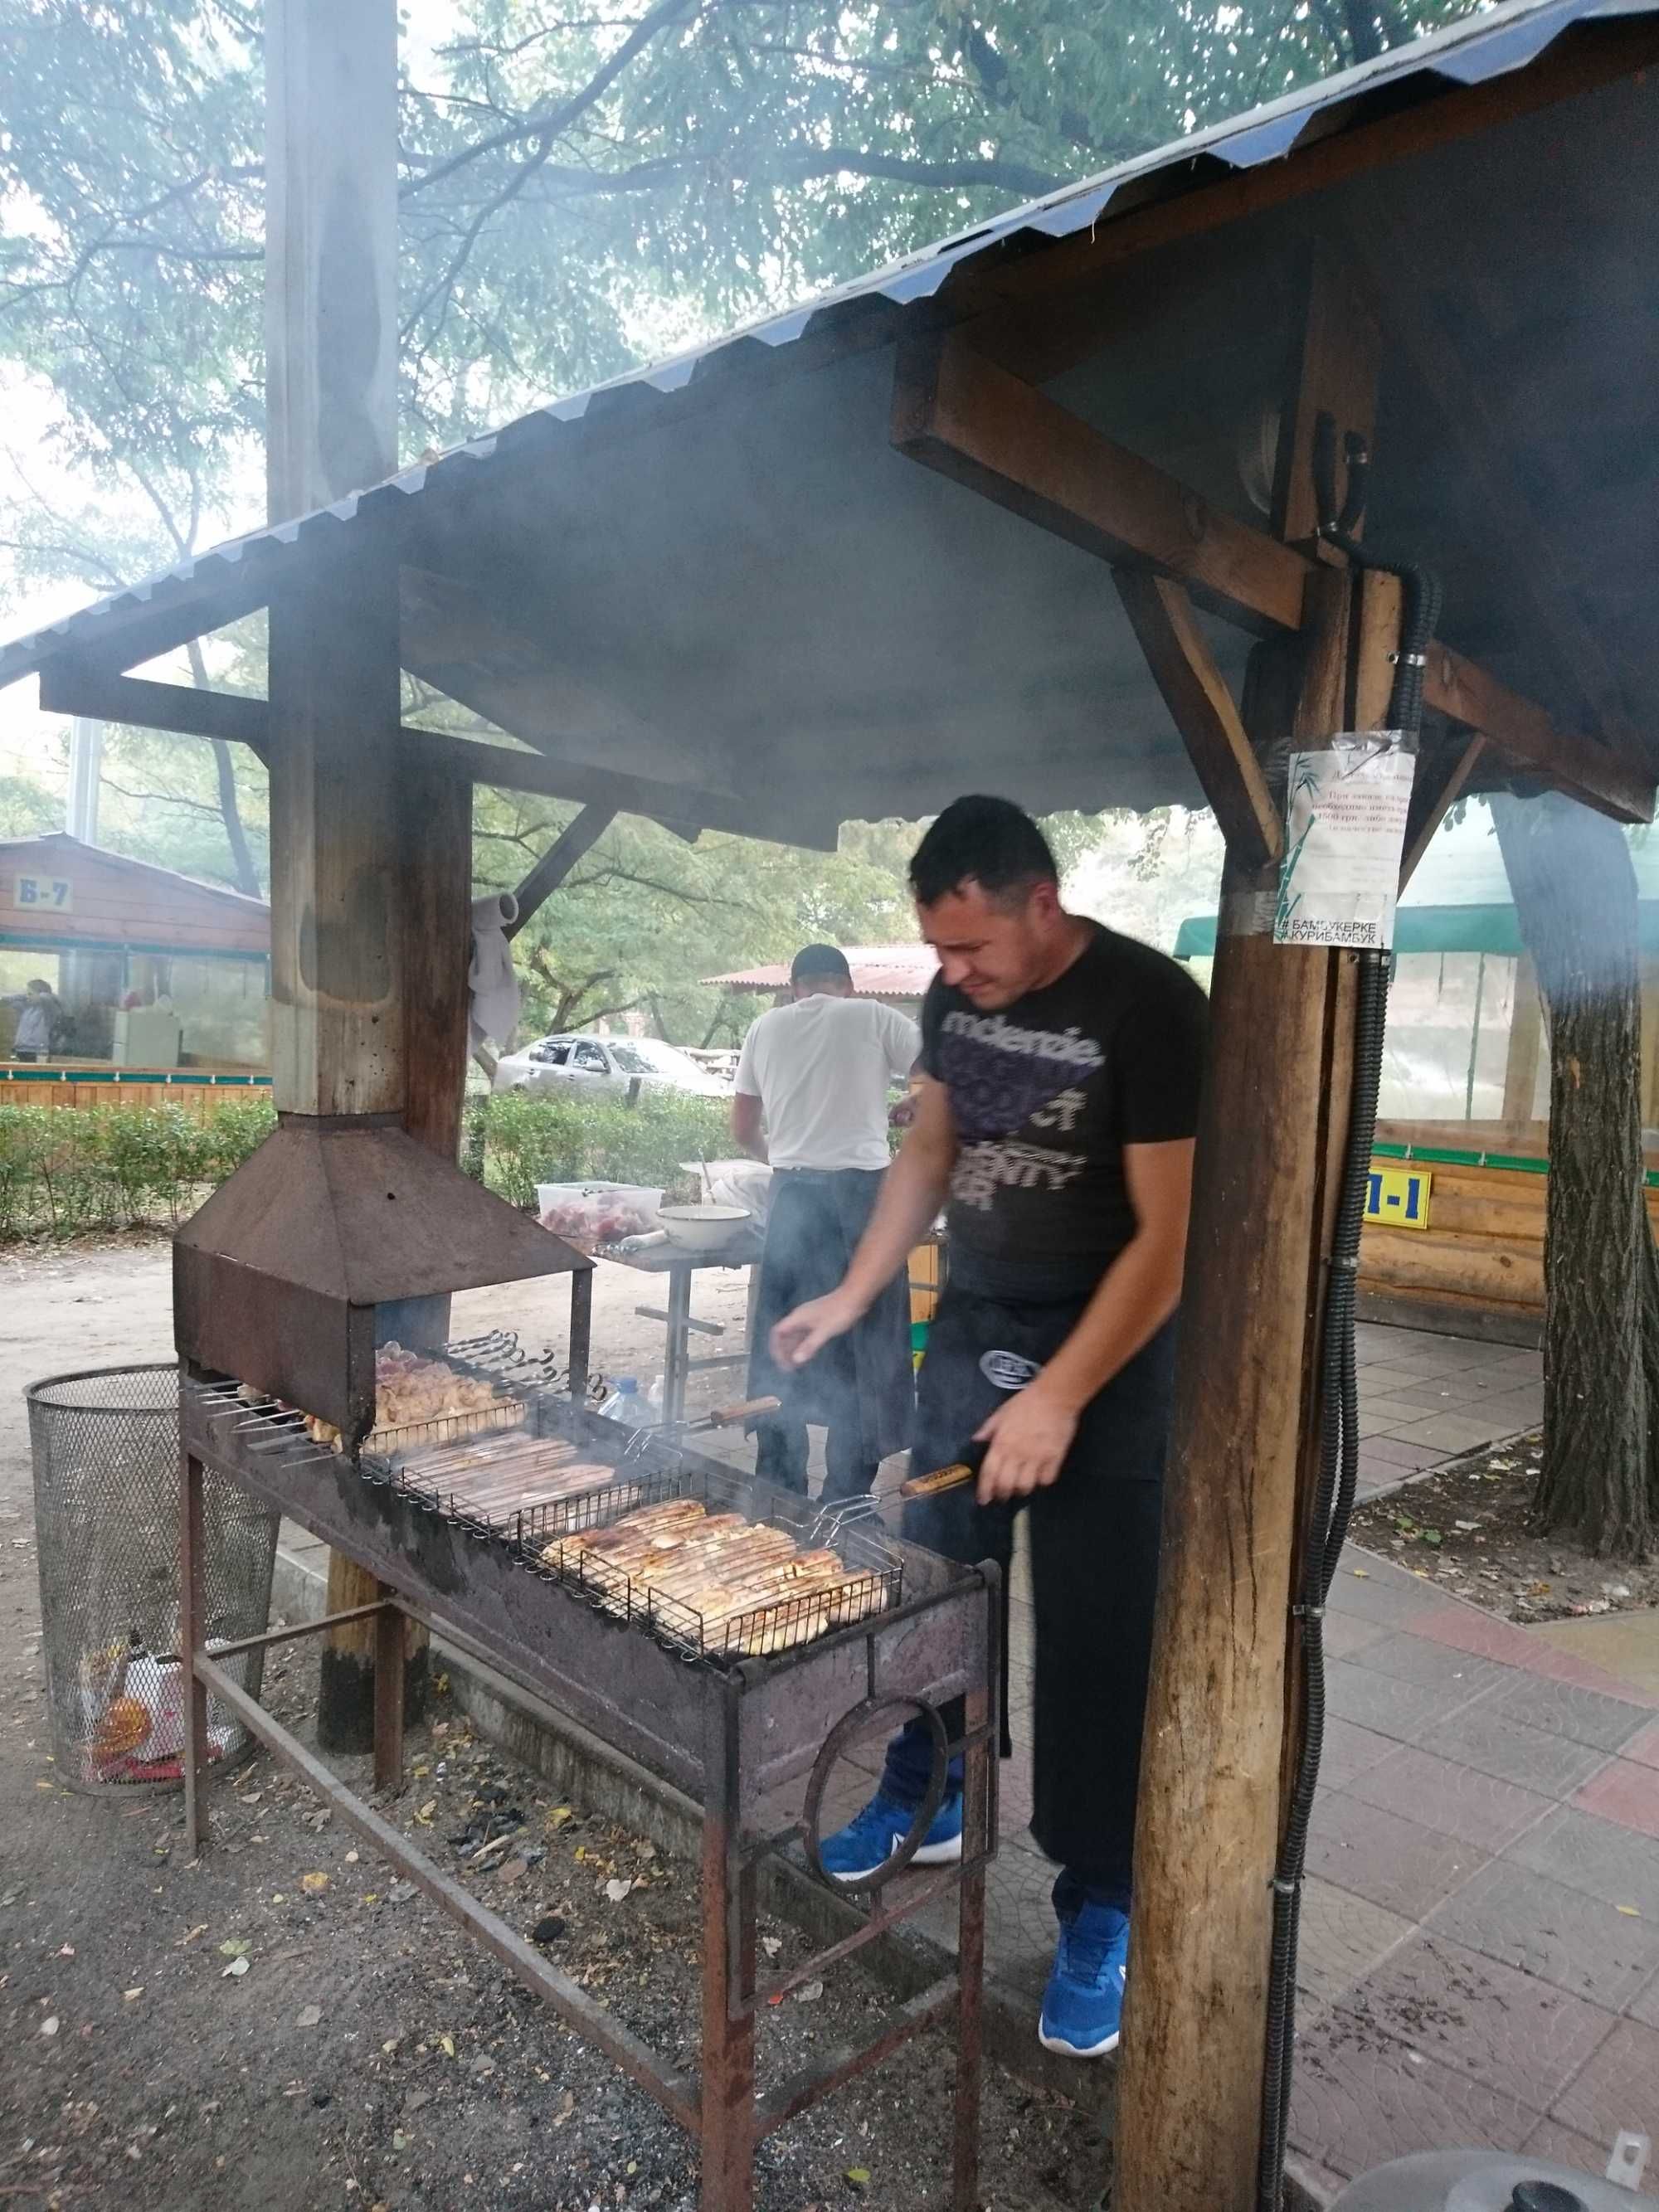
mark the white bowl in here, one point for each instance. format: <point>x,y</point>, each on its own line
<point>702,1228</point>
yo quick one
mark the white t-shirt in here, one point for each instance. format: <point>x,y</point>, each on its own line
<point>821,1068</point>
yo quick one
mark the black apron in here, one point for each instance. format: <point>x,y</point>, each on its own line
<point>862,1382</point>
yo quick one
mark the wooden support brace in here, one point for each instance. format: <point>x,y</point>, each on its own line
<point>575,838</point>
<point>977,425</point>
<point>1443,769</point>
<point>984,428</point>
<point>1195,692</point>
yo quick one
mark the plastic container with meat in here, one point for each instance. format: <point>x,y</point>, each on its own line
<point>595,1213</point>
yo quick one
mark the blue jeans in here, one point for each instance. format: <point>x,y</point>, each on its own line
<point>909,1765</point>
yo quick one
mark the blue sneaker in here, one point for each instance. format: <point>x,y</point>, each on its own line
<point>868,1841</point>
<point>1083,2005</point>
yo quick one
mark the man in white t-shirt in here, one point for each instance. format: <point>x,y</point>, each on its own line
<point>817,1074</point>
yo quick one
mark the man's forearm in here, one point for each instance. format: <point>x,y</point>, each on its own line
<point>1135,1297</point>
<point>911,1196</point>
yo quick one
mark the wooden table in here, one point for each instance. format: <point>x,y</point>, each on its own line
<point>679,1266</point>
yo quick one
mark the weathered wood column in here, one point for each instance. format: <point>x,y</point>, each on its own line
<point>1247,1407</point>
<point>370,858</point>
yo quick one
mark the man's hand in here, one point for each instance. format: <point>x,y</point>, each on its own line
<point>801,1334</point>
<point>1029,1437</point>
<point>902,1115</point>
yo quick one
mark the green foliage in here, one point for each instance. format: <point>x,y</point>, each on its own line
<point>64,1172</point>
<point>577,189</point>
<point>525,1141</point>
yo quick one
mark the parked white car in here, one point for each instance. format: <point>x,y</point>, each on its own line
<point>604,1068</point>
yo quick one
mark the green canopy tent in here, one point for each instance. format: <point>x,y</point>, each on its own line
<point>1459,903</point>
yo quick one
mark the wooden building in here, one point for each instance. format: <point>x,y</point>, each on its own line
<point>162,980</point>
<point>1037,513</point>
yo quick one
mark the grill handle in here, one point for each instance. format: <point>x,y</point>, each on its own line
<point>942,1479</point>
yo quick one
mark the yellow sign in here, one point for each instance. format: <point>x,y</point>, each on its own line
<point>1398,1198</point>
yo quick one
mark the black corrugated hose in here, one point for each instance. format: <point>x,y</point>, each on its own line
<point>1338,1451</point>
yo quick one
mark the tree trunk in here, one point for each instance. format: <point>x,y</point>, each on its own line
<point>1574,896</point>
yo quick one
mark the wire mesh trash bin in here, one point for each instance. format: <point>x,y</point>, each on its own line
<point>105,1451</point>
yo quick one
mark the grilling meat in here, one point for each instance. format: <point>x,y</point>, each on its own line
<point>733,1585</point>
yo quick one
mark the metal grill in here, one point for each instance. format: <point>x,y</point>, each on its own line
<point>106,1452</point>
<point>632,1470</point>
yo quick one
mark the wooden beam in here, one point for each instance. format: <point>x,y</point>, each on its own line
<point>977,425</point>
<point>1332,388</point>
<point>1195,692</point>
<point>576,838</point>
<point>1444,768</point>
<point>70,684</point>
<point>986,428</point>
<point>1596,775</point>
<point>80,688</point>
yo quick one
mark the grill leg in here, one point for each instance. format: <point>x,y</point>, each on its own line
<point>978,1804</point>
<point>390,1647</point>
<point>728,2019</point>
<point>193,1635</point>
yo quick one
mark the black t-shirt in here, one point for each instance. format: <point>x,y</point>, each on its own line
<point>1045,1096</point>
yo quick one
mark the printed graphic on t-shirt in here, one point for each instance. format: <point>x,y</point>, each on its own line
<point>1006,1081</point>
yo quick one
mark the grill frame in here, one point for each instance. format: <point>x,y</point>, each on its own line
<point>727,1731</point>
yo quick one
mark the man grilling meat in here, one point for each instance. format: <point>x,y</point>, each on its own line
<point>1062,1067</point>
<point>817,1073</point>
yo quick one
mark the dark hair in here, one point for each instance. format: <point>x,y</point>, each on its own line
<point>988,841</point>
<point>820,960</point>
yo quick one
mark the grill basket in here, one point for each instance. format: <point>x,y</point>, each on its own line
<point>105,1453</point>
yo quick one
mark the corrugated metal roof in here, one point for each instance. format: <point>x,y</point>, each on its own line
<point>1509,37</point>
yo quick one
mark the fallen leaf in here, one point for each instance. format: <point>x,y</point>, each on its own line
<point>351,1858</point>
<point>313,1884</point>
<point>130,1993</point>
<point>1629,1911</point>
<point>858,2176</point>
<point>307,2016</point>
<point>236,1966</point>
<point>236,1947</point>
<point>399,2140</point>
<point>615,1891</point>
<point>771,1945</point>
<point>1360,1575</point>
<point>49,2025</point>
<point>190,1934</point>
<point>558,1816</point>
<point>446,2044</point>
<point>424,1815</point>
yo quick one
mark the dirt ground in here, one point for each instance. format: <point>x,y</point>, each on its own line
<point>1468,1526</point>
<point>283,2026</point>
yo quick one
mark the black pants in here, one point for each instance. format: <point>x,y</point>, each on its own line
<point>781,1454</point>
<point>1094,1546</point>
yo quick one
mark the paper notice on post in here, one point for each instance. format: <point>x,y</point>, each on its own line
<point>1345,835</point>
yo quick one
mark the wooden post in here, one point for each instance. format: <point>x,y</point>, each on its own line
<point>370,854</point>
<point>1218,1751</point>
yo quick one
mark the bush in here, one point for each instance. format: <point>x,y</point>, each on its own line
<point>513,1143</point>
<point>63,1170</point>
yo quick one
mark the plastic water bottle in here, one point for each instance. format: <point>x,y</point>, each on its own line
<point>624,1403</point>
<point>653,1399</point>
